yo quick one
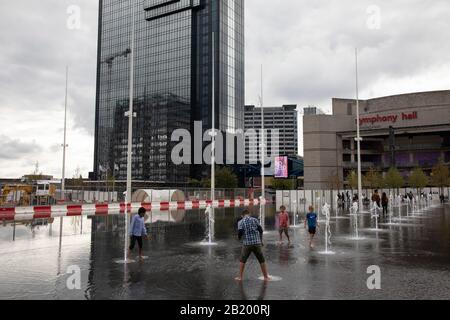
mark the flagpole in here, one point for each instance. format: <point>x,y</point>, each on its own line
<point>213,138</point>
<point>358,138</point>
<point>263,173</point>
<point>130,115</point>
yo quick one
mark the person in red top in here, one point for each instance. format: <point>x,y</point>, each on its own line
<point>283,221</point>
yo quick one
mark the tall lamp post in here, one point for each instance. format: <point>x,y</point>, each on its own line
<point>130,114</point>
<point>358,136</point>
<point>213,142</point>
<point>63,177</point>
<point>263,153</point>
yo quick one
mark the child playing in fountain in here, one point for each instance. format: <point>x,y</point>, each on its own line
<point>283,221</point>
<point>311,220</point>
<point>138,232</point>
<point>251,233</point>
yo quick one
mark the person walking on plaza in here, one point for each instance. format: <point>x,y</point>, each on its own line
<point>284,223</point>
<point>385,203</point>
<point>311,221</point>
<point>251,234</point>
<point>138,232</point>
<point>376,198</point>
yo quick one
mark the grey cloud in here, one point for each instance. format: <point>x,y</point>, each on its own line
<point>37,47</point>
<point>308,47</point>
<point>16,149</point>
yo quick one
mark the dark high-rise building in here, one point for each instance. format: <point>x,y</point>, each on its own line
<point>173,81</point>
<point>282,119</point>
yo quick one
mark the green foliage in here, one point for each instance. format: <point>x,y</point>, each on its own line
<point>373,179</point>
<point>440,175</point>
<point>225,179</point>
<point>352,180</point>
<point>194,183</point>
<point>283,184</point>
<point>394,179</point>
<point>334,182</point>
<point>418,179</point>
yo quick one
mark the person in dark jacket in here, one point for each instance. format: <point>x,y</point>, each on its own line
<point>385,203</point>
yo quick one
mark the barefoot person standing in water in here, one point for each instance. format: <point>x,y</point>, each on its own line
<point>311,220</point>
<point>284,223</point>
<point>138,232</point>
<point>251,233</point>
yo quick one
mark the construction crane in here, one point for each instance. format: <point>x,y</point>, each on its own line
<point>109,61</point>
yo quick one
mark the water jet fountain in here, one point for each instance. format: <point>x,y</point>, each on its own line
<point>209,222</point>
<point>326,213</point>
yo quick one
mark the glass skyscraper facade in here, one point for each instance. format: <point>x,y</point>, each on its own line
<point>172,81</point>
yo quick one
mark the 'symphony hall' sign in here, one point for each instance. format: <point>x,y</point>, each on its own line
<point>393,118</point>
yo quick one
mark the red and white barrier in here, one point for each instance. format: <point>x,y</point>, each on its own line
<point>45,212</point>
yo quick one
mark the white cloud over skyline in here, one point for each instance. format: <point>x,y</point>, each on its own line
<point>306,47</point>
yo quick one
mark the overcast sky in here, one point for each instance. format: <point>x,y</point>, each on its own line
<point>306,47</point>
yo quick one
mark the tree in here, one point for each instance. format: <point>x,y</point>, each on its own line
<point>394,179</point>
<point>352,180</point>
<point>194,183</point>
<point>418,179</point>
<point>334,182</point>
<point>110,180</point>
<point>372,179</point>
<point>225,179</point>
<point>77,179</point>
<point>440,175</point>
<point>283,184</point>
<point>36,175</point>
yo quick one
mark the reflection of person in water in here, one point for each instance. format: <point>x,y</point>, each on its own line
<point>285,255</point>
<point>262,293</point>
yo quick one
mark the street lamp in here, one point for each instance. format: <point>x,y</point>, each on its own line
<point>358,136</point>
<point>263,173</point>
<point>63,178</point>
<point>130,114</point>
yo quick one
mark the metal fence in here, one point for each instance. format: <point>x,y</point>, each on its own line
<point>92,195</point>
<point>298,201</point>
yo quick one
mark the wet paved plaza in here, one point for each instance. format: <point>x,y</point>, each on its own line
<point>414,258</point>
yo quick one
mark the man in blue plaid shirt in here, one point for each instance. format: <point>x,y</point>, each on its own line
<point>251,234</point>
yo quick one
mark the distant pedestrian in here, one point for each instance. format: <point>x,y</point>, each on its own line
<point>251,234</point>
<point>376,198</point>
<point>311,222</point>
<point>442,198</point>
<point>284,224</point>
<point>138,232</point>
<point>385,203</point>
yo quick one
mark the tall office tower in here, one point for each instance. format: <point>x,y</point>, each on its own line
<point>172,81</point>
<point>283,119</point>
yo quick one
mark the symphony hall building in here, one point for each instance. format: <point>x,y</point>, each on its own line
<point>403,131</point>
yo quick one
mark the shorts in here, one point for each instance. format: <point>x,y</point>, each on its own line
<point>312,230</point>
<point>285,230</point>
<point>133,242</point>
<point>256,249</point>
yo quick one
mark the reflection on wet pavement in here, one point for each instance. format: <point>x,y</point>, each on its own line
<point>414,258</point>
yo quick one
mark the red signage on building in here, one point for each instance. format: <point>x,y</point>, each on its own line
<point>388,118</point>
